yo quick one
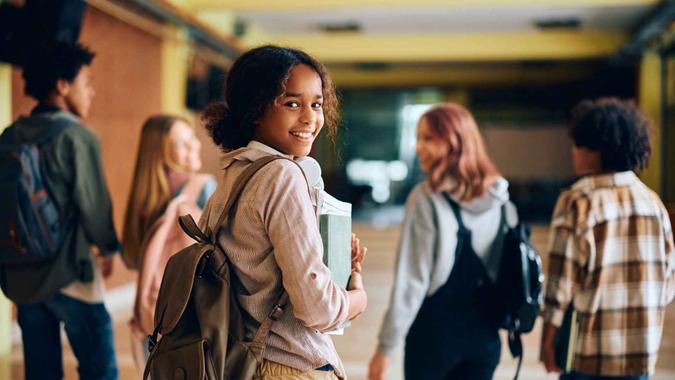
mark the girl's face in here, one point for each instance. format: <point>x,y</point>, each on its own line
<point>429,148</point>
<point>184,148</point>
<point>291,123</point>
<point>80,93</point>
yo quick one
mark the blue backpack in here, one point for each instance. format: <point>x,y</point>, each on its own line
<point>31,227</point>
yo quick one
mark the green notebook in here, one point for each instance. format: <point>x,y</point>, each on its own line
<point>335,225</point>
<point>336,232</point>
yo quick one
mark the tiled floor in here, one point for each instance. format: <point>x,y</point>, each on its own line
<point>358,343</point>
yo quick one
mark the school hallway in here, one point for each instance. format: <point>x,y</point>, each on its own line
<point>359,341</point>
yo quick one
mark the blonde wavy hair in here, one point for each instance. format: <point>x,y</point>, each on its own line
<point>149,194</point>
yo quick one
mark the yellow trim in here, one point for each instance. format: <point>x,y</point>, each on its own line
<point>650,101</point>
<point>5,96</point>
<point>174,68</point>
<point>5,305</point>
<point>669,191</point>
<point>221,21</point>
<point>355,47</point>
<point>476,75</point>
<point>275,5</point>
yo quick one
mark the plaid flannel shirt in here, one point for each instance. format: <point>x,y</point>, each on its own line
<point>611,252</point>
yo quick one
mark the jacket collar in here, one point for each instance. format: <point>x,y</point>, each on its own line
<point>618,179</point>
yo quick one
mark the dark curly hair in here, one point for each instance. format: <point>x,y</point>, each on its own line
<point>49,63</point>
<point>617,129</point>
<point>256,80</point>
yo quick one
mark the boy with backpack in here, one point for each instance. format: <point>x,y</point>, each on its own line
<point>55,207</point>
<point>611,250</point>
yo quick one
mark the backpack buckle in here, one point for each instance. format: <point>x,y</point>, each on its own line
<point>277,312</point>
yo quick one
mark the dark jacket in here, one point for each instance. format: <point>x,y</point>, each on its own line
<point>71,165</point>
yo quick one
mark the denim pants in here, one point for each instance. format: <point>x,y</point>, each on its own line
<point>580,376</point>
<point>89,330</point>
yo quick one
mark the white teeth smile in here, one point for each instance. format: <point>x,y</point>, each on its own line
<point>303,135</point>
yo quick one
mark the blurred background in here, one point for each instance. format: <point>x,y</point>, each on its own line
<point>518,65</point>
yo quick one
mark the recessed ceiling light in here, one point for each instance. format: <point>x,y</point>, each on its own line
<point>338,27</point>
<point>558,23</point>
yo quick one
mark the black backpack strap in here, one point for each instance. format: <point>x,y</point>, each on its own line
<point>503,220</point>
<point>516,348</point>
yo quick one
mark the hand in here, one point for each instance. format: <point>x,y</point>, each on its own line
<point>355,282</point>
<point>106,263</point>
<point>378,366</point>
<point>358,298</point>
<point>358,254</point>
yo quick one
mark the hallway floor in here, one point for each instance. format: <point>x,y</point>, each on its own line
<point>359,341</point>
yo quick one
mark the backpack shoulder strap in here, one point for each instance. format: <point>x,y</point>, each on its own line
<point>258,344</point>
<point>53,131</point>
<point>241,182</point>
<point>9,135</point>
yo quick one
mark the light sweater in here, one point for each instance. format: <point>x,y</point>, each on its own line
<point>273,242</point>
<point>426,250</point>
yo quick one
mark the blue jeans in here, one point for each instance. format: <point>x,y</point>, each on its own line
<point>89,331</point>
<point>580,376</point>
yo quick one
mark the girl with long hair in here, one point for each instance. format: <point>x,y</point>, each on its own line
<point>165,185</point>
<point>277,100</point>
<point>436,301</point>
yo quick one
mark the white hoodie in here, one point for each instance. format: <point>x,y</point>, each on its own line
<point>426,251</point>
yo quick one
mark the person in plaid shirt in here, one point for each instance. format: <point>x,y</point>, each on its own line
<point>611,249</point>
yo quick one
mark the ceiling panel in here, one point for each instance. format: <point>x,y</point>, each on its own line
<point>439,19</point>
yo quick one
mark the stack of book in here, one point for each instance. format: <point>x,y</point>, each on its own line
<point>335,225</point>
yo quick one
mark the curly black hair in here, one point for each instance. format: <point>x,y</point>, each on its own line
<point>255,80</point>
<point>617,129</point>
<point>49,63</point>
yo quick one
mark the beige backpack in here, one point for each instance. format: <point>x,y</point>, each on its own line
<point>197,314</point>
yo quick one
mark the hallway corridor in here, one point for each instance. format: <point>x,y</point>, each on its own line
<point>359,341</point>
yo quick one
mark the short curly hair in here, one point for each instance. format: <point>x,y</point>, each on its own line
<point>256,79</point>
<point>617,129</point>
<point>49,63</point>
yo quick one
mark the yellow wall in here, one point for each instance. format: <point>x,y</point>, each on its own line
<point>174,66</point>
<point>5,306</point>
<point>649,94</point>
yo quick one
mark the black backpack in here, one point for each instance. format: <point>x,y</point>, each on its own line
<point>513,301</point>
<point>518,291</point>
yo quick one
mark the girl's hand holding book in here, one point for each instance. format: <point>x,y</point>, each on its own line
<point>358,254</point>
